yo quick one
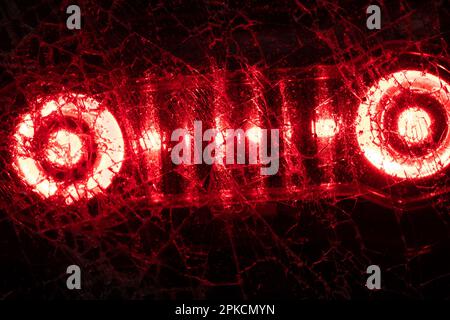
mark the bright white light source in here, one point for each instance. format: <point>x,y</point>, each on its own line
<point>106,133</point>
<point>64,148</point>
<point>254,134</point>
<point>414,125</point>
<point>370,125</point>
<point>325,128</point>
<point>150,140</point>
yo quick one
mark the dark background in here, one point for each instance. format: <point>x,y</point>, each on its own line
<point>319,248</point>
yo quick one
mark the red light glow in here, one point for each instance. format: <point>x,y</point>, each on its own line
<point>414,125</point>
<point>150,140</point>
<point>324,128</point>
<point>65,148</point>
<point>254,134</point>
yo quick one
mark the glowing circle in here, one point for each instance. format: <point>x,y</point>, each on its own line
<point>64,148</point>
<point>107,136</point>
<point>370,128</point>
<point>414,125</point>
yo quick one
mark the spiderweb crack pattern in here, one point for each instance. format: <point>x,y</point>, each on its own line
<point>265,64</point>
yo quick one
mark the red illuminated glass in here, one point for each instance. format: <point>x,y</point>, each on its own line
<point>64,148</point>
<point>72,147</point>
<point>414,125</point>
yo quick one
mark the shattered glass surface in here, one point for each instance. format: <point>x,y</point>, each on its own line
<point>157,230</point>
